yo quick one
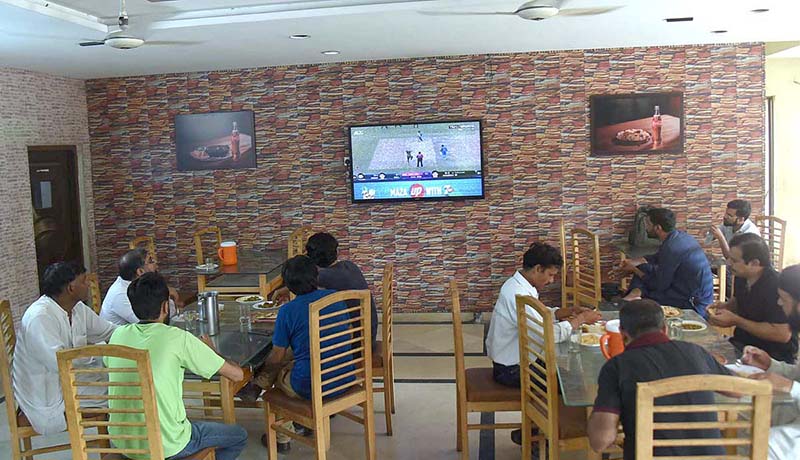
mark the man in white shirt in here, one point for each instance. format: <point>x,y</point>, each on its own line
<point>58,320</point>
<point>117,307</point>
<point>735,222</point>
<point>540,265</point>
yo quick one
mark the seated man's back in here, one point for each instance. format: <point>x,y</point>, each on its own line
<point>172,351</point>
<point>650,355</point>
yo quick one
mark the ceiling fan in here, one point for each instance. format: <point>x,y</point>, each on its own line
<point>535,10</point>
<point>123,39</point>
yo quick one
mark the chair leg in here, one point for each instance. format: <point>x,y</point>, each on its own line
<point>327,432</point>
<point>526,438</point>
<point>464,433</point>
<point>319,438</point>
<point>390,367</point>
<point>459,434</point>
<point>272,436</point>
<point>369,428</point>
<point>26,446</point>
<point>387,401</point>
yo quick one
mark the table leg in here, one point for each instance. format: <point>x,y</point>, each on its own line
<point>201,283</point>
<point>263,286</point>
<point>227,392</point>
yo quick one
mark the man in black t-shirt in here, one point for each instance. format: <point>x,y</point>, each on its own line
<point>753,309</point>
<point>650,355</point>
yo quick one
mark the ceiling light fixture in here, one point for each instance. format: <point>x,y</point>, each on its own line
<point>299,36</point>
<point>759,10</point>
<point>330,52</point>
<point>720,31</point>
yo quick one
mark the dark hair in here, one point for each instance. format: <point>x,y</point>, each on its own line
<point>57,277</point>
<point>322,248</point>
<point>662,217</point>
<point>742,207</point>
<point>130,262</point>
<point>541,254</point>
<point>300,275</point>
<point>147,293</point>
<point>789,281</point>
<point>640,317</point>
<point>753,248</point>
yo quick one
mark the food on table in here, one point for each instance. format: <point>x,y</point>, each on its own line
<point>633,136</point>
<point>264,315</point>
<point>689,325</point>
<point>249,298</point>
<point>596,328</point>
<point>590,340</point>
<point>671,312</point>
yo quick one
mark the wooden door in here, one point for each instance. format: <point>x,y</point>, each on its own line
<point>56,206</point>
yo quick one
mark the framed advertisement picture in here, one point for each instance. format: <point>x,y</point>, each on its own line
<point>637,123</point>
<point>216,140</point>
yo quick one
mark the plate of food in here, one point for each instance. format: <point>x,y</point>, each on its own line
<point>671,312</point>
<point>590,339</point>
<point>265,305</point>
<point>596,328</point>
<point>211,153</point>
<point>690,325</point>
<point>633,137</point>
<point>264,315</point>
<point>252,298</point>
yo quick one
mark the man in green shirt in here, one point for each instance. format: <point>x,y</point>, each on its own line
<point>172,351</point>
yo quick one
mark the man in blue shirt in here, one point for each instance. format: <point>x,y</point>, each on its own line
<point>678,274</point>
<point>290,370</point>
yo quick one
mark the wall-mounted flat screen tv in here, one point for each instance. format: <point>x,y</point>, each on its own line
<point>637,123</point>
<point>416,161</point>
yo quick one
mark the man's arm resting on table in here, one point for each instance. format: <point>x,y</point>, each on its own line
<point>602,430</point>
<point>231,371</point>
<point>772,332</point>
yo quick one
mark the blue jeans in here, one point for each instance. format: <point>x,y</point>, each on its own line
<point>229,440</point>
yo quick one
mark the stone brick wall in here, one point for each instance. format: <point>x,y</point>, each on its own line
<point>35,109</point>
<point>535,112</point>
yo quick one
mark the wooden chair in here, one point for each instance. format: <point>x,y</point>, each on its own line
<point>720,283</point>
<point>18,426</point>
<point>226,284</point>
<point>210,400</point>
<point>298,240</point>
<point>94,292</point>
<point>383,361</point>
<point>316,413</point>
<point>773,230</point>
<point>147,429</point>
<point>147,242</point>
<point>580,273</point>
<point>539,400</point>
<point>750,430</point>
<point>476,389</point>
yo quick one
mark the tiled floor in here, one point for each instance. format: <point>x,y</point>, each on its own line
<point>424,425</point>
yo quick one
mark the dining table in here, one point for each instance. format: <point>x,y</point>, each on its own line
<point>245,345</point>
<point>256,271</point>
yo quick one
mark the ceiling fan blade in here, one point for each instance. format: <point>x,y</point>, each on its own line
<point>95,43</point>
<point>171,43</point>
<point>588,11</point>
<point>467,13</point>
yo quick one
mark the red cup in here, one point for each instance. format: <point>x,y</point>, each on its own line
<point>227,253</point>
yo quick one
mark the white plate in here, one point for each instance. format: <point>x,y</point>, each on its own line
<point>265,305</point>
<point>206,267</point>
<point>252,298</point>
<point>743,369</point>
<point>703,326</point>
<point>591,334</point>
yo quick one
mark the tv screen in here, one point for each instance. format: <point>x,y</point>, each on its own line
<point>637,123</point>
<point>417,161</point>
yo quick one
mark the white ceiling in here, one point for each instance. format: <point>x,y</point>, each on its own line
<point>221,35</point>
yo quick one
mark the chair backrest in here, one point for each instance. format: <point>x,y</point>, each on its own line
<point>565,265</point>
<point>147,242</point>
<point>773,230</point>
<point>720,283</point>
<point>146,430</point>
<point>9,340</point>
<point>458,338</point>
<point>387,309</point>
<point>340,340</point>
<point>298,240</point>
<point>586,277</point>
<point>537,364</point>
<point>199,238</point>
<point>751,430</point>
<point>94,292</point>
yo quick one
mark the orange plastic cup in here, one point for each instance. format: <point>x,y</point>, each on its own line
<point>227,253</point>
<point>611,343</point>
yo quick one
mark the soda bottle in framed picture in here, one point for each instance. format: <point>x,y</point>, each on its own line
<point>235,142</point>
<point>657,126</point>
